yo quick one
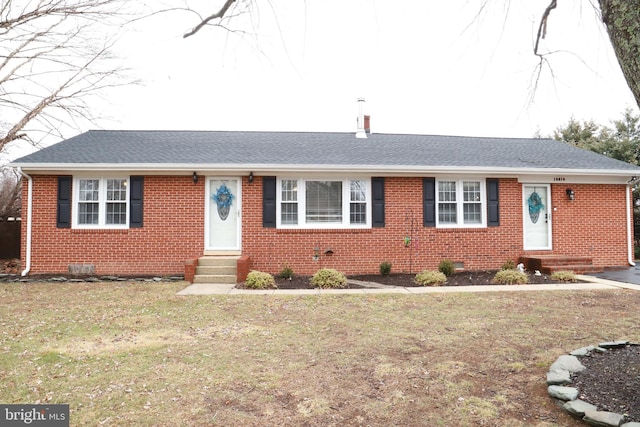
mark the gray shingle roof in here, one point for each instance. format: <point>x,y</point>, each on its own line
<point>205,149</point>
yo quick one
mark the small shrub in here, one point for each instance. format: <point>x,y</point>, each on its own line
<point>286,272</point>
<point>508,265</point>
<point>260,280</point>
<point>564,276</point>
<point>430,278</point>
<point>446,267</point>
<point>328,278</point>
<point>385,268</point>
<point>511,277</point>
<point>636,252</point>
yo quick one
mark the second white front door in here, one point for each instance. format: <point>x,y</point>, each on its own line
<point>537,216</point>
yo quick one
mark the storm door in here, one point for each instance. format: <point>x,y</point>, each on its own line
<point>537,216</point>
<point>223,214</point>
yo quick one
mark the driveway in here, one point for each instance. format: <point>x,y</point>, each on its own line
<point>626,275</point>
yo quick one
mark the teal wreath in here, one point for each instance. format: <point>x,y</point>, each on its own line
<point>535,203</point>
<point>535,206</point>
<point>223,197</point>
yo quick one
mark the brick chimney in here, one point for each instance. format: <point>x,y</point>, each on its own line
<point>360,122</point>
<point>367,124</point>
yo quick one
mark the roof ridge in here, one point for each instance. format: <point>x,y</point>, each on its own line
<point>434,135</point>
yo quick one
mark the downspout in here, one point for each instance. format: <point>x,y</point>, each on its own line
<point>29,217</point>
<point>630,227</point>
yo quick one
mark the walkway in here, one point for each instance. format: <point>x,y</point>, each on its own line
<point>589,283</point>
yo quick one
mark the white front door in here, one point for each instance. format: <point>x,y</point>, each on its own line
<point>222,210</point>
<point>537,216</point>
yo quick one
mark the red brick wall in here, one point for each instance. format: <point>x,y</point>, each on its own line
<point>594,224</point>
<point>173,232</point>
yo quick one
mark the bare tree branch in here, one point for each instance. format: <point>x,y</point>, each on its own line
<point>53,54</point>
<point>219,14</point>
<point>542,28</point>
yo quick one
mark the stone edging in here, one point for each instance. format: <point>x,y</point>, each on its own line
<point>559,376</point>
<point>15,278</point>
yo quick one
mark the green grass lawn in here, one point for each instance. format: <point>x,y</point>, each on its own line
<point>134,354</point>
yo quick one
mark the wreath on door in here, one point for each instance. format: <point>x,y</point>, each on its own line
<point>223,199</point>
<point>535,206</point>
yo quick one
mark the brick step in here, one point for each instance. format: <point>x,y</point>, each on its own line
<point>576,268</point>
<point>568,261</point>
<point>555,262</point>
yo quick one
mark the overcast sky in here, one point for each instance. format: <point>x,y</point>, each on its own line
<point>423,67</point>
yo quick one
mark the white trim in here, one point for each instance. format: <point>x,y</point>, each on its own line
<point>346,203</point>
<point>270,169</point>
<point>102,202</point>
<point>207,212</point>
<point>549,214</point>
<point>27,267</point>
<point>460,202</point>
<point>630,227</point>
<point>560,179</point>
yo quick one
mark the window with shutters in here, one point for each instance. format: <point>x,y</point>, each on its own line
<point>460,203</point>
<point>100,202</point>
<point>323,203</point>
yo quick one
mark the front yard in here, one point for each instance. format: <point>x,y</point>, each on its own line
<point>133,354</point>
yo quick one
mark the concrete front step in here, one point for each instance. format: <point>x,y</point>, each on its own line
<point>218,260</point>
<point>216,269</point>
<point>214,278</point>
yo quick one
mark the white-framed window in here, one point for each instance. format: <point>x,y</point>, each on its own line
<point>460,203</point>
<point>101,202</point>
<point>323,203</point>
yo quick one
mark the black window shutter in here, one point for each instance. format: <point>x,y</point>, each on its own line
<point>493,205</point>
<point>63,214</point>
<point>269,202</point>
<point>377,202</point>
<point>429,202</point>
<point>136,201</point>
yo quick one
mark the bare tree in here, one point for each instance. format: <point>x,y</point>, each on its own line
<point>621,17</point>
<point>622,20</point>
<point>53,55</point>
<point>10,193</point>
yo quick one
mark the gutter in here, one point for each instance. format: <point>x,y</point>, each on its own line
<point>29,221</point>
<point>264,168</point>
<point>630,252</point>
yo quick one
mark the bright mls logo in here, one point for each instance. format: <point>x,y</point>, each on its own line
<point>34,415</point>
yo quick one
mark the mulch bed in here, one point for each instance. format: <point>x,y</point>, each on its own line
<point>463,278</point>
<point>612,381</point>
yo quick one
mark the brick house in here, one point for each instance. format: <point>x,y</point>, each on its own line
<point>162,202</point>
